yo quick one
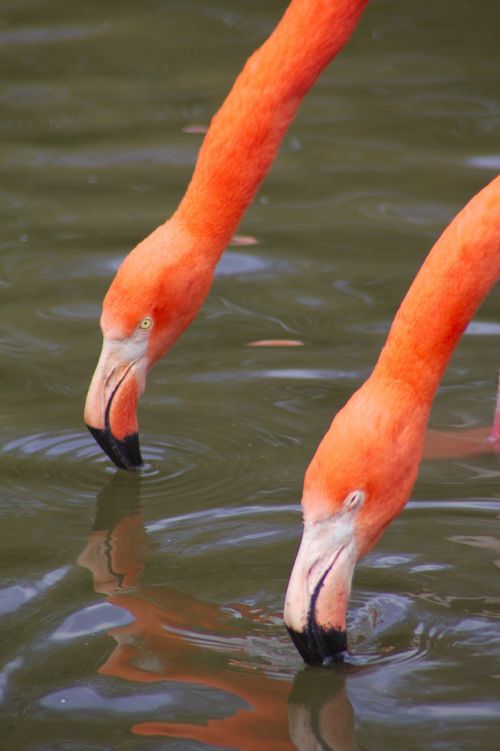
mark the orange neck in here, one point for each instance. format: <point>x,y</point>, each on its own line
<point>246,132</point>
<point>455,278</point>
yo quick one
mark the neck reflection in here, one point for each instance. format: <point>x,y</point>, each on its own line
<point>176,637</point>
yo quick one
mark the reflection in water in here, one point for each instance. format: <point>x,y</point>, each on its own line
<point>461,444</point>
<point>320,713</point>
<point>172,635</point>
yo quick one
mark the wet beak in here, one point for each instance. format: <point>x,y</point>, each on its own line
<point>111,405</point>
<point>319,589</point>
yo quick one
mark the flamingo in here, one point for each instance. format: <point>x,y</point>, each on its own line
<point>364,468</point>
<point>162,283</point>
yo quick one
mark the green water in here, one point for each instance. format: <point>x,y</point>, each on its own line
<point>163,619</point>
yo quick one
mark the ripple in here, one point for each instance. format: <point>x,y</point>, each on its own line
<point>25,95</point>
<point>64,458</point>
<point>348,288</point>
<point>13,598</point>
<point>190,466</point>
<point>73,311</point>
<point>381,622</point>
<point>410,68</point>
<point>480,541</point>
<point>483,328</point>
<point>51,444</point>
<point>20,344</point>
<point>447,104</point>
<point>8,669</point>
<point>91,266</point>
<point>184,467</point>
<point>214,515</point>
<point>463,504</point>
<point>287,374</point>
<point>388,561</point>
<point>90,620</point>
<point>95,700</point>
<point>234,264</point>
<point>406,211</point>
<point>47,35</point>
<point>204,462</point>
<point>86,699</point>
<point>106,158</point>
<point>269,648</point>
<point>485,162</point>
<point>197,534</point>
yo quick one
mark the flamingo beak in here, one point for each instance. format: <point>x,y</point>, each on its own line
<point>111,406</point>
<point>319,589</point>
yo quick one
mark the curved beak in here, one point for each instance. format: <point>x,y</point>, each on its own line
<point>319,589</point>
<point>111,406</point>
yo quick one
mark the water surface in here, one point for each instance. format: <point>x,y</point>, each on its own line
<point>145,613</point>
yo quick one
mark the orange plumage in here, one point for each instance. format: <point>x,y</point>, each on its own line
<point>364,469</point>
<point>168,275</point>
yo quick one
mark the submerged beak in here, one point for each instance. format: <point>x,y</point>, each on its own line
<point>319,589</point>
<point>111,405</point>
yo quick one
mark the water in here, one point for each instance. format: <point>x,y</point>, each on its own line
<point>145,613</point>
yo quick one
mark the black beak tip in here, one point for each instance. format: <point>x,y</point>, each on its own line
<point>320,646</point>
<point>125,453</point>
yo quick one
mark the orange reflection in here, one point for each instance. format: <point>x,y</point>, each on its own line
<point>460,444</point>
<point>167,640</point>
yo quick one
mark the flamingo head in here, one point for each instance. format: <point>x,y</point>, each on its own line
<point>357,483</point>
<point>155,295</point>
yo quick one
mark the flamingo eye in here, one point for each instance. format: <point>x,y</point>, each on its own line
<point>146,323</point>
<point>354,500</point>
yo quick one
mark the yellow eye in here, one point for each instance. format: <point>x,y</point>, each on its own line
<point>146,323</point>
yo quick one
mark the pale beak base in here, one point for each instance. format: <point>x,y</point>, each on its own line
<point>111,405</point>
<point>320,584</point>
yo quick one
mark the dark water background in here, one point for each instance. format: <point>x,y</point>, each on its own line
<point>399,132</point>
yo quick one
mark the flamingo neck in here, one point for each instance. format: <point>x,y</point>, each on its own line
<point>246,132</point>
<point>457,275</point>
